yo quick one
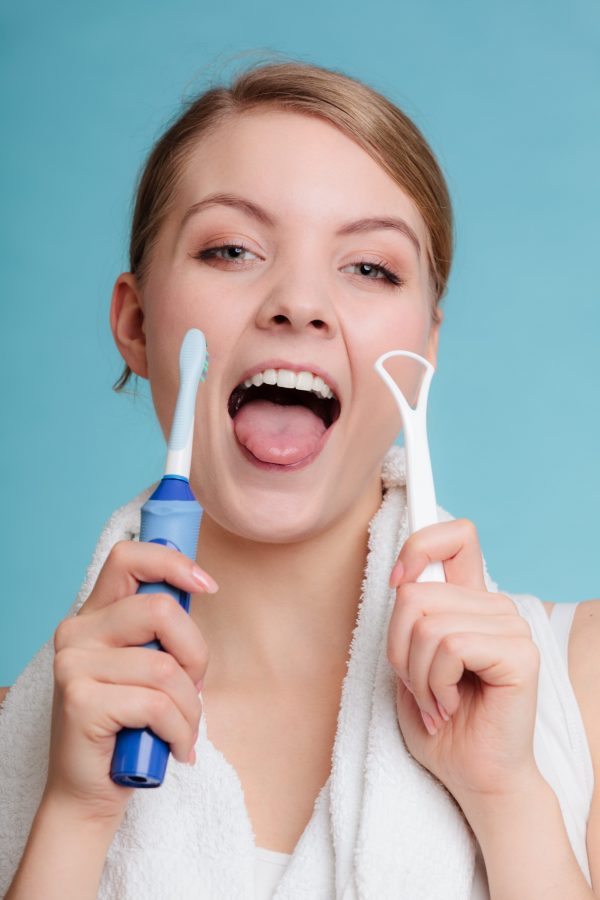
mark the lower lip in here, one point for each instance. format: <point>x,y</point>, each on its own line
<point>277,467</point>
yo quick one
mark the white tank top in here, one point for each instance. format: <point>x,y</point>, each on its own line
<point>564,760</point>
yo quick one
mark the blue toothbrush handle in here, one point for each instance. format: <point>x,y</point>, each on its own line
<point>170,517</point>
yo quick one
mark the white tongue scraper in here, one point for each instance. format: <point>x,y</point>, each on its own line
<point>422,508</point>
<point>170,517</point>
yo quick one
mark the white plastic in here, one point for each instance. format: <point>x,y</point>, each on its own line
<point>420,489</point>
<point>192,369</point>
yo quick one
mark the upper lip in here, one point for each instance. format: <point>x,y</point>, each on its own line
<point>329,380</point>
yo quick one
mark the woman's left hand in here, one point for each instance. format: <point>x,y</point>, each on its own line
<point>468,650</point>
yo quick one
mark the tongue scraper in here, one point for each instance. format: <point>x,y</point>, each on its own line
<point>422,508</point>
<point>170,517</point>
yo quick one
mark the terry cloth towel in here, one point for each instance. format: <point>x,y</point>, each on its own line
<point>382,826</point>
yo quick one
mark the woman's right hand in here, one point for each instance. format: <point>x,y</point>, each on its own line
<point>104,681</point>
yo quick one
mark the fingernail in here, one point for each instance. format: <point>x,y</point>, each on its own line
<point>208,583</point>
<point>396,576</point>
<point>442,711</point>
<point>428,722</point>
<point>192,757</point>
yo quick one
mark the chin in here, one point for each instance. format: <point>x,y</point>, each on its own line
<point>274,519</point>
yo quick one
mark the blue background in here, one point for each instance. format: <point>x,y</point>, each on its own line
<point>508,94</point>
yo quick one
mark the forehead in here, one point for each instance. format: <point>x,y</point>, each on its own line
<point>296,165</point>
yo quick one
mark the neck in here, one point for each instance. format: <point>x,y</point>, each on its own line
<point>283,610</point>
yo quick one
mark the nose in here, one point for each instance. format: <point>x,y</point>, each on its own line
<point>299,307</point>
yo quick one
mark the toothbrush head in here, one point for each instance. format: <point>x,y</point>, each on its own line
<point>193,368</point>
<point>193,358</point>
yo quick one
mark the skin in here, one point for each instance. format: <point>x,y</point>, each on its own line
<point>298,296</point>
<point>283,543</point>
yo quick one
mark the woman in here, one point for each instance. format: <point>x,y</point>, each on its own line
<point>300,220</point>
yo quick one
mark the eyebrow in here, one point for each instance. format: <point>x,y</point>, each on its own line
<point>371,223</point>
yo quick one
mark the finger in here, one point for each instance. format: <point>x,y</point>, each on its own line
<point>130,563</point>
<point>137,707</point>
<point>427,635</point>
<point>498,660</point>
<point>132,666</point>
<point>136,620</point>
<point>418,600</point>
<point>455,543</point>
<point>409,714</point>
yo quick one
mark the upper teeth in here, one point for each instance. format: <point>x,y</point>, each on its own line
<point>285,378</point>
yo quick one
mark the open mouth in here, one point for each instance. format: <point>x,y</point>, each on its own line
<point>281,417</point>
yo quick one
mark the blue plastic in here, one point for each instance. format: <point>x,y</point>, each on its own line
<point>171,517</point>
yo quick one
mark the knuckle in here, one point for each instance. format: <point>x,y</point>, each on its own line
<point>407,594</point>
<point>64,665</point>
<point>164,667</point>
<point>425,628</point>
<point>524,627</point>
<point>76,696</point>
<point>507,605</point>
<point>452,644</point>
<point>163,608</point>
<point>415,546</point>
<point>60,635</point>
<point>469,529</point>
<point>118,554</point>
<point>159,704</point>
<point>64,633</point>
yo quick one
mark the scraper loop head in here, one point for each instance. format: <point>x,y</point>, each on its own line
<point>419,395</point>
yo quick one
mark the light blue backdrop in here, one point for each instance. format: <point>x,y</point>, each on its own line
<point>508,93</point>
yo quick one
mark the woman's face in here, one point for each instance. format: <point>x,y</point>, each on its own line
<point>308,293</point>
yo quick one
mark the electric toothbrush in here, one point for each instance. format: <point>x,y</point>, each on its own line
<point>170,517</point>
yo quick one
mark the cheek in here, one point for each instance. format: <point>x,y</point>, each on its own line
<point>404,328</point>
<point>164,328</point>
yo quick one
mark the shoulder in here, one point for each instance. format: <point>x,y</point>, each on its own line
<point>584,672</point>
<point>584,668</point>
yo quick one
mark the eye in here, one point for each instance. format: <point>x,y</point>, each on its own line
<point>377,272</point>
<point>232,252</point>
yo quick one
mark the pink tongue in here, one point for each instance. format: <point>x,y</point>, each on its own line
<point>276,433</point>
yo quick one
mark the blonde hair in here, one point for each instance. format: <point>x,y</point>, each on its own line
<point>367,117</point>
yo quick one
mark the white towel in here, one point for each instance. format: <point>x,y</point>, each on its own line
<point>382,827</point>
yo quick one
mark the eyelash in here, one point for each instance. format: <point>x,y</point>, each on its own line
<point>391,277</point>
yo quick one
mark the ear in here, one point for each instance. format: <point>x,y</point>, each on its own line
<point>433,340</point>
<point>127,323</point>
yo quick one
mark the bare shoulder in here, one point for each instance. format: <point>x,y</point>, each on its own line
<point>584,671</point>
<point>584,668</point>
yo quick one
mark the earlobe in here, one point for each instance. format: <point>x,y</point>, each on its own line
<point>434,334</point>
<point>127,323</point>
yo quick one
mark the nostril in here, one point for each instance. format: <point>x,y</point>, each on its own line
<point>281,319</point>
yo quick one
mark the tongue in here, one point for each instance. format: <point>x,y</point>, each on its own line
<point>278,434</point>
